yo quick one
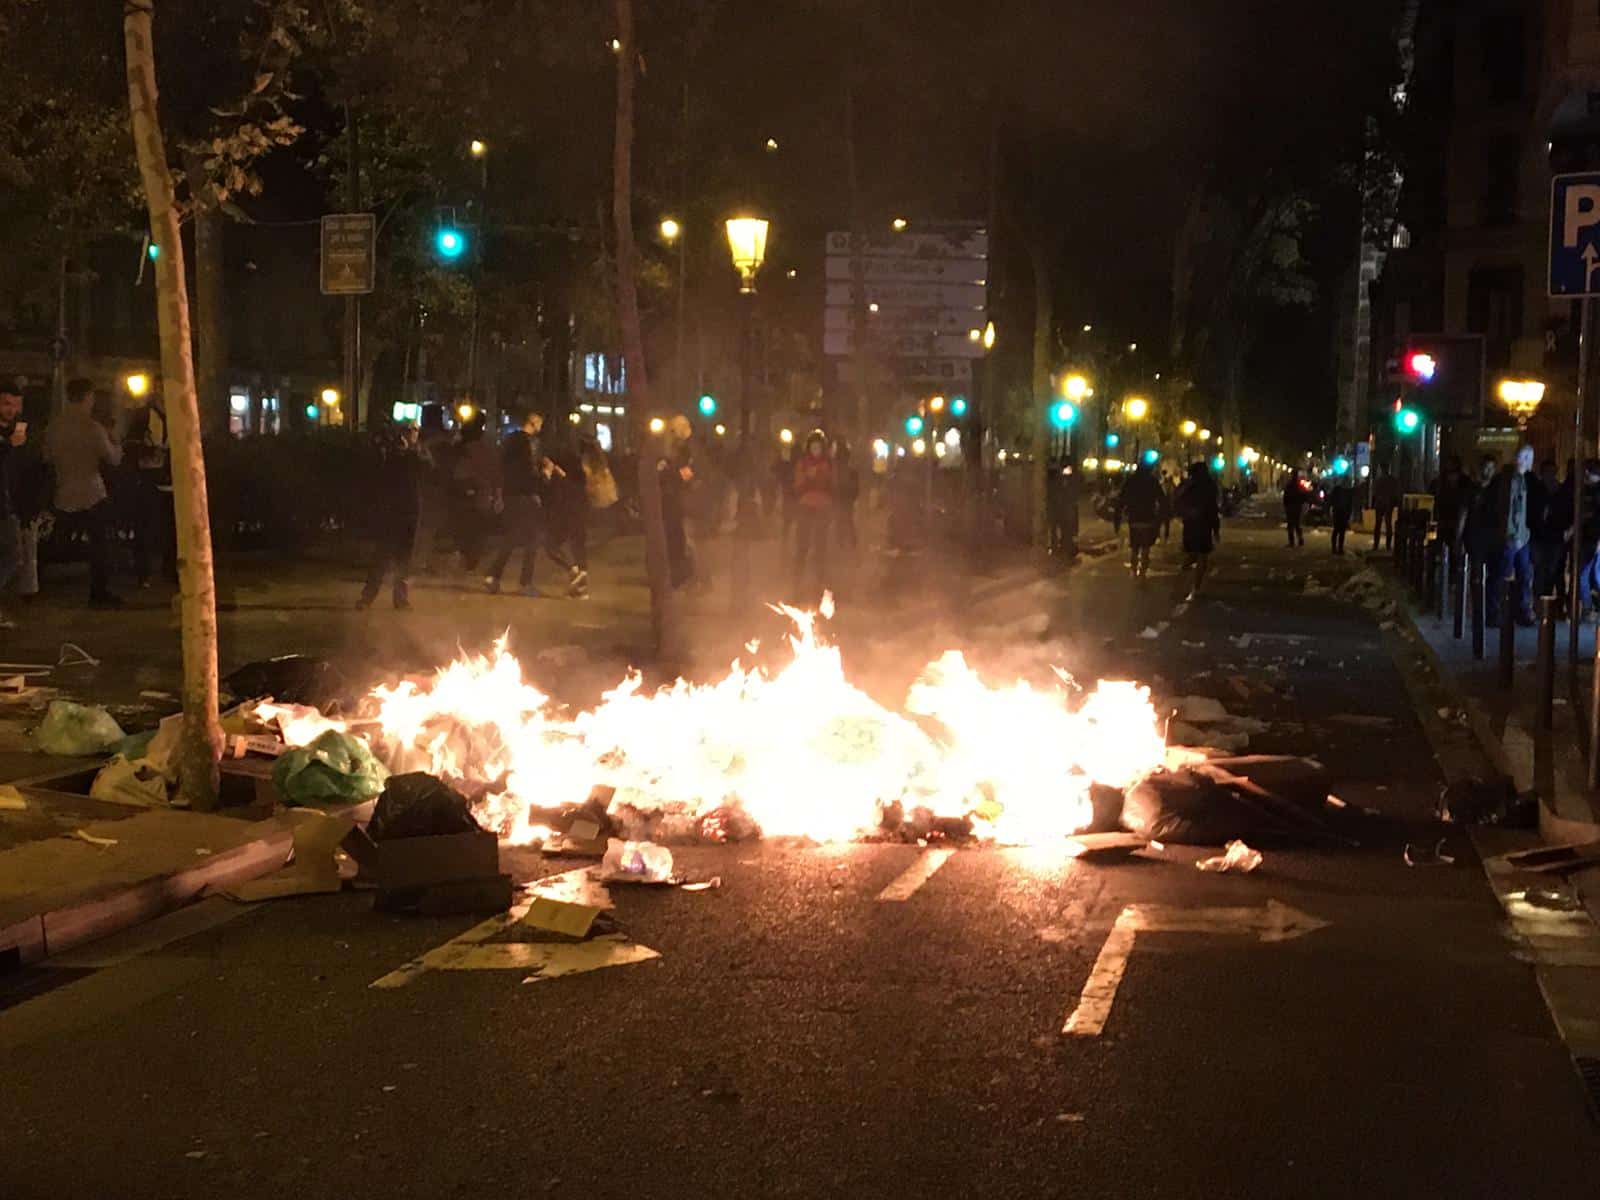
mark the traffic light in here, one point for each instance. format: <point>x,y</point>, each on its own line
<point>1421,366</point>
<point>914,426</point>
<point>1218,463</point>
<point>958,406</point>
<point>154,251</point>
<point>1341,465</point>
<point>1407,420</point>
<point>1113,441</point>
<point>449,243</point>
<point>708,405</point>
<point>1063,414</point>
<point>1151,457</point>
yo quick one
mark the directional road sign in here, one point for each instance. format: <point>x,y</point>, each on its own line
<point>1575,235</point>
<point>349,253</point>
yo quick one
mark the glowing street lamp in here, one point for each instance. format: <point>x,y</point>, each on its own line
<point>1188,429</point>
<point>669,229</point>
<point>138,384</point>
<point>988,336</point>
<point>786,436</point>
<point>1137,408</point>
<point>1521,398</point>
<point>899,224</point>
<point>657,424</point>
<point>477,148</point>
<point>1076,387</point>
<point>330,397</point>
<point>747,243</point>
<point>1205,435</point>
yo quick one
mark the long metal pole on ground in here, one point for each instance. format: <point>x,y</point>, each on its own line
<point>1575,600</point>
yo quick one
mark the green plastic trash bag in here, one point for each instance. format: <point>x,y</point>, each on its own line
<point>333,768</point>
<point>70,728</point>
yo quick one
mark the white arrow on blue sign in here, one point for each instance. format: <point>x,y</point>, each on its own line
<point>1575,235</point>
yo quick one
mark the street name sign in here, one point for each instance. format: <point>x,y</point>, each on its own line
<point>1575,235</point>
<point>349,253</point>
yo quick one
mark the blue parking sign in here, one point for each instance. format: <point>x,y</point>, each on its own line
<point>1575,234</point>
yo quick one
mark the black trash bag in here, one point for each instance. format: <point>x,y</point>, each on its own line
<point>419,805</point>
<point>1205,805</point>
<point>1488,802</point>
<point>290,679</point>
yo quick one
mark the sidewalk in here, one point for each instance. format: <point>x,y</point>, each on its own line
<point>1550,762</point>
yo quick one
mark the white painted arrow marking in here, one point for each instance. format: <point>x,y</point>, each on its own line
<point>1274,923</point>
<point>917,874</point>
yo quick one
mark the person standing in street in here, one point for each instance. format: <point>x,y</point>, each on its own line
<point>1143,503</point>
<point>154,532</point>
<point>1478,524</point>
<point>524,471</point>
<point>567,495</point>
<point>1199,507</point>
<point>1341,504</point>
<point>1385,502</point>
<point>79,449</point>
<point>1510,556</point>
<point>814,490</point>
<point>475,476</point>
<point>13,476</point>
<point>398,512</point>
<point>847,490</point>
<point>1451,498</point>
<point>1294,505</point>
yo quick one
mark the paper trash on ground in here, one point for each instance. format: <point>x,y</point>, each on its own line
<point>312,868</point>
<point>83,835</point>
<point>1236,857</point>
<point>558,916</point>
<point>636,862</point>
<point>11,799</point>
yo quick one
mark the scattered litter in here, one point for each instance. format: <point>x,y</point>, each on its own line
<point>1367,589</point>
<point>74,655</point>
<point>1236,857</point>
<point>266,744</point>
<point>1105,845</point>
<point>1488,802</point>
<point>290,679</point>
<point>135,782</point>
<point>1334,802</point>
<point>1365,720</point>
<point>13,685</point>
<point>1195,645</point>
<point>312,868</point>
<point>74,729</point>
<point>703,885</point>
<point>1200,710</point>
<point>636,862</point>
<point>1422,856</point>
<point>1313,588</point>
<point>335,766</point>
<point>83,835</point>
<point>154,695</point>
<point>1052,934</point>
<point>417,804</point>
<point>201,851</point>
<point>1555,899</point>
<point>196,1154</point>
<point>560,916</point>
<point>1069,1118</point>
<point>11,799</point>
<point>1555,860</point>
<point>1150,632</point>
<point>1267,798</point>
<point>1242,641</point>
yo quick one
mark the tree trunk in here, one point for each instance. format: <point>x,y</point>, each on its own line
<point>1044,319</point>
<point>211,348</point>
<point>1231,444</point>
<point>201,746</point>
<point>639,404</point>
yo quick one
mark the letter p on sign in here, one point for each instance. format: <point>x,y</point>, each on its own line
<point>1582,211</point>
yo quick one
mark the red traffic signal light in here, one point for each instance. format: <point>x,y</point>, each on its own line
<point>1420,365</point>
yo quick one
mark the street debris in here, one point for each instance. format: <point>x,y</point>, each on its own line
<point>635,862</point>
<point>1424,856</point>
<point>333,767</point>
<point>1150,632</point>
<point>417,804</point>
<point>134,782</point>
<point>559,916</point>
<point>1555,860</point>
<point>1313,588</point>
<point>290,679</point>
<point>1263,797</point>
<point>83,835</point>
<point>1200,709</point>
<point>76,730</point>
<point>702,885</point>
<point>1105,846</point>
<point>1368,589</point>
<point>10,799</point>
<point>1363,720</point>
<point>1236,857</point>
<point>1488,802</point>
<point>312,867</point>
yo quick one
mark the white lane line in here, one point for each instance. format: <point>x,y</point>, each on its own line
<point>1088,1019</point>
<point>917,874</point>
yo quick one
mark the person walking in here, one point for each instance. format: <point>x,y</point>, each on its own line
<point>155,535</point>
<point>567,543</point>
<point>397,513</point>
<point>675,471</point>
<point>475,475</point>
<point>1143,503</point>
<point>79,449</point>
<point>524,470</point>
<point>1510,556</point>
<point>1451,498</point>
<point>1385,502</point>
<point>847,490</point>
<point>1341,504</point>
<point>814,488</point>
<point>1199,507</point>
<point>1294,505</point>
<point>1062,493</point>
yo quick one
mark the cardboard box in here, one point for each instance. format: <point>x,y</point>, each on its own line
<point>447,858</point>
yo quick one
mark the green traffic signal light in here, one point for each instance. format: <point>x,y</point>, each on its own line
<point>958,406</point>
<point>708,405</point>
<point>1407,420</point>
<point>1063,414</point>
<point>914,426</point>
<point>449,244</point>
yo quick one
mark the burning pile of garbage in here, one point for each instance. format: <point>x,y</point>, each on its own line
<point>798,751</point>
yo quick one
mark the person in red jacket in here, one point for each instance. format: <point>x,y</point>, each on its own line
<point>814,487</point>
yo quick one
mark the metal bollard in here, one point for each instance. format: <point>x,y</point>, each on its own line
<point>1594,719</point>
<point>1546,662</point>
<point>1475,613</point>
<point>1508,632</point>
<point>1439,585</point>
<point>1458,579</point>
<point>1419,557</point>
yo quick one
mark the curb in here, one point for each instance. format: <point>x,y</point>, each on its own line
<point>36,937</point>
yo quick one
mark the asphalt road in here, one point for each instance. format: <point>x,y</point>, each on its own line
<point>798,1035</point>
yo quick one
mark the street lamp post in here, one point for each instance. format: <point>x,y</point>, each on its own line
<point>671,231</point>
<point>747,245</point>
<point>479,150</point>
